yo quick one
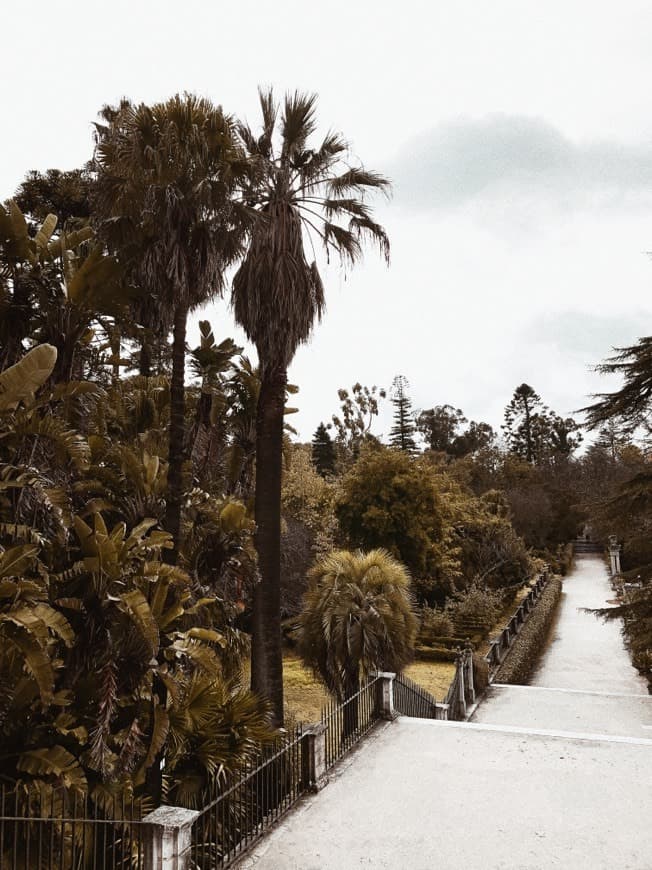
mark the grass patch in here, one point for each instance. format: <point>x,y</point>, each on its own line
<point>434,677</point>
<point>304,695</point>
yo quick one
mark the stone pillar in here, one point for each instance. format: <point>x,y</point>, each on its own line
<point>614,558</point>
<point>441,711</point>
<point>313,757</point>
<point>168,832</point>
<point>461,694</point>
<point>386,695</point>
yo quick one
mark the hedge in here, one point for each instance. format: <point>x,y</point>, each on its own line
<point>526,649</point>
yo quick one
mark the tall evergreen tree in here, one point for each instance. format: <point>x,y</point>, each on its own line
<point>403,431</point>
<point>523,417</point>
<point>534,432</point>
<point>323,451</point>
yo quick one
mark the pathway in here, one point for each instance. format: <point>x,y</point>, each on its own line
<point>585,681</point>
<point>549,775</point>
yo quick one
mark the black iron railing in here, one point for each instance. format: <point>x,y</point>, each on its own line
<point>413,700</point>
<point>246,807</point>
<point>346,723</point>
<point>63,829</point>
<point>43,827</point>
<point>248,804</point>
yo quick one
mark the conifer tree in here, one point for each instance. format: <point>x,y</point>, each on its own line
<point>522,422</point>
<point>323,451</point>
<point>534,432</point>
<point>404,429</point>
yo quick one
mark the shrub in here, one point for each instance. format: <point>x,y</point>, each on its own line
<point>526,649</point>
<point>435,623</point>
<point>358,617</point>
<point>478,603</point>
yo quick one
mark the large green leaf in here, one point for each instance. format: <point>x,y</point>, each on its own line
<point>136,606</point>
<point>69,241</point>
<point>19,231</point>
<point>44,234</point>
<point>36,659</point>
<point>54,761</point>
<point>160,729</point>
<point>15,560</point>
<point>20,381</point>
<point>56,622</point>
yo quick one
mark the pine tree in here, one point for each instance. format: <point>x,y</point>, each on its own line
<point>323,451</point>
<point>522,426</point>
<point>534,432</point>
<point>403,431</point>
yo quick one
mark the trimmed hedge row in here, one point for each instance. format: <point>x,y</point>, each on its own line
<point>524,653</point>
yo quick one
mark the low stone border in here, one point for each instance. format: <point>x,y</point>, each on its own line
<point>526,647</point>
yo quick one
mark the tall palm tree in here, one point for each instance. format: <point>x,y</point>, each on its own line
<point>166,175</point>
<point>357,617</point>
<point>303,195</point>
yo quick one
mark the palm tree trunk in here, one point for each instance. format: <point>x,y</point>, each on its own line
<point>145,359</point>
<point>266,650</point>
<point>177,429</point>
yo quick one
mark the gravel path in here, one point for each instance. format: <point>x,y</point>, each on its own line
<point>555,774</point>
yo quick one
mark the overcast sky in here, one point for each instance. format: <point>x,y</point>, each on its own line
<point>517,133</point>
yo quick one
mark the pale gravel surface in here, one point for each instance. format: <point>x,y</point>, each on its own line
<point>499,794</point>
<point>424,795</point>
<point>584,652</point>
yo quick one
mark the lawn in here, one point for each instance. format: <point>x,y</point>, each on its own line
<point>305,696</point>
<point>434,677</point>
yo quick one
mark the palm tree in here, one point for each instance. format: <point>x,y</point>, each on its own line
<point>302,195</point>
<point>166,174</point>
<point>357,617</point>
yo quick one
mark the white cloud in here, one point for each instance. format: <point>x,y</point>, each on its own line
<point>518,160</point>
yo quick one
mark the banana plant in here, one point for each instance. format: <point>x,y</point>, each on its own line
<point>210,362</point>
<point>28,273</point>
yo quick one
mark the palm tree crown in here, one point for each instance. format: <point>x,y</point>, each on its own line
<point>357,617</point>
<point>302,194</point>
<point>165,177</point>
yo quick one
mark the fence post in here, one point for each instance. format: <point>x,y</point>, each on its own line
<point>468,654</point>
<point>385,697</point>
<point>313,757</point>
<point>168,832</point>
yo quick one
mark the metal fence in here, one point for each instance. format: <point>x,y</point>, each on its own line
<point>61,829</point>
<point>412,700</point>
<point>346,723</point>
<point>247,805</point>
<point>64,830</point>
